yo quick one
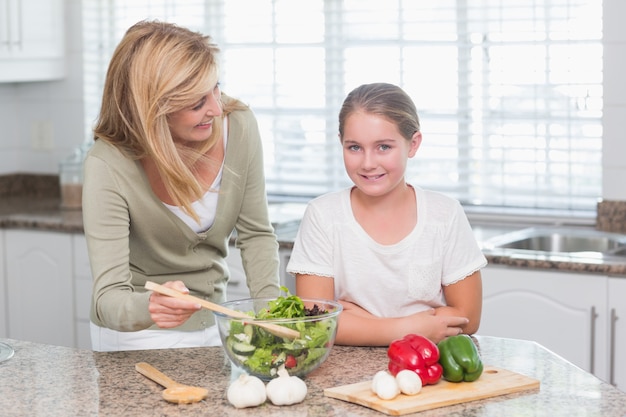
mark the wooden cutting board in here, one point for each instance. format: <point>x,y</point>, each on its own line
<point>493,382</point>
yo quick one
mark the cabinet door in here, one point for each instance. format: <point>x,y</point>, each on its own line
<point>565,312</point>
<point>617,332</point>
<point>39,283</point>
<point>83,284</point>
<point>3,284</point>
<point>286,278</point>
<point>32,41</point>
<point>237,287</point>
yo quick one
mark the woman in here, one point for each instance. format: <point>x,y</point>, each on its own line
<point>400,259</point>
<point>175,167</point>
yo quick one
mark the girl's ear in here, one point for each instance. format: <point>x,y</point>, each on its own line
<point>416,141</point>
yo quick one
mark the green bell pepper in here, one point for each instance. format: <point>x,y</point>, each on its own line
<point>460,359</point>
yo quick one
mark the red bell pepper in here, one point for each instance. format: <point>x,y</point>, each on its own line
<point>418,354</point>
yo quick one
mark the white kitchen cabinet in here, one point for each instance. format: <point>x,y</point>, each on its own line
<point>617,332</point>
<point>3,296</point>
<point>286,279</point>
<point>32,40</point>
<point>237,286</point>
<point>563,311</point>
<point>39,286</point>
<point>83,284</point>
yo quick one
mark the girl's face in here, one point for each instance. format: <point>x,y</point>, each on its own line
<point>196,123</point>
<point>375,154</point>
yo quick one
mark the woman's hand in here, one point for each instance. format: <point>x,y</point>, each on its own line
<point>168,312</point>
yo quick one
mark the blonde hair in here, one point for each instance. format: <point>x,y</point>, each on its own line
<point>385,100</point>
<point>157,69</point>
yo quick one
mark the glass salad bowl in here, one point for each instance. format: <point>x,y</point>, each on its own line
<point>259,352</point>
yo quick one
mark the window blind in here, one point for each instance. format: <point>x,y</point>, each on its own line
<point>509,92</point>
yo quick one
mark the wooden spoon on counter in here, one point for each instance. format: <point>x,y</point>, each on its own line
<point>174,392</point>
<point>275,329</point>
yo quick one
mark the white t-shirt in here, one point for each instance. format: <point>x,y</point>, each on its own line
<point>387,280</point>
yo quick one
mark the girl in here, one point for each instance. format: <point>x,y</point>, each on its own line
<point>399,259</point>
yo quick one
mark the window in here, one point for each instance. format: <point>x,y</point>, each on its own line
<point>509,92</point>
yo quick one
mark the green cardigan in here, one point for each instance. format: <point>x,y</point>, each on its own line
<point>132,237</point>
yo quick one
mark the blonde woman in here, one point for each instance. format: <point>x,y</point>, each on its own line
<point>399,258</point>
<point>176,166</point>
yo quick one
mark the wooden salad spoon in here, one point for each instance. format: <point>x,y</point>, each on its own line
<point>174,392</point>
<point>275,329</point>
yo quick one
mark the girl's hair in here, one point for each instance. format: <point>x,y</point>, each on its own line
<point>385,100</point>
<point>157,69</point>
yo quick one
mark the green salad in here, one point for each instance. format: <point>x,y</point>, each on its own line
<point>262,353</point>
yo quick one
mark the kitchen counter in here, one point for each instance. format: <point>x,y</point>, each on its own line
<point>45,380</point>
<point>39,214</point>
<point>32,202</point>
<point>45,214</point>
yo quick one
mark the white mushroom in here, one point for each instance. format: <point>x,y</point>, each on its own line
<point>409,382</point>
<point>385,385</point>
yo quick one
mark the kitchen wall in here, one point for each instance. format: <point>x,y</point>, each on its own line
<point>614,123</point>
<point>24,107</point>
<point>52,111</point>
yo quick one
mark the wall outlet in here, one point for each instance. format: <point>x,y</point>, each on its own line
<point>41,135</point>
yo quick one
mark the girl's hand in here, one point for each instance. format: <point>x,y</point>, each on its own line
<point>168,312</point>
<point>425,323</point>
<point>435,327</point>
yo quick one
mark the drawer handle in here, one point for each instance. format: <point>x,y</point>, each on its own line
<point>612,352</point>
<point>592,349</point>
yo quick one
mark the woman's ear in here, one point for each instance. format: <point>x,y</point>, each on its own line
<point>416,141</point>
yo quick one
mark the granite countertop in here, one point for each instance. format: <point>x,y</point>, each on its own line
<point>34,202</point>
<point>45,380</point>
<point>39,214</point>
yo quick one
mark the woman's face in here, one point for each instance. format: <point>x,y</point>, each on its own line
<point>196,123</point>
<point>375,154</point>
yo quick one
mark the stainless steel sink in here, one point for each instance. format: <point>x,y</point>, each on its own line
<point>560,240</point>
<point>620,251</point>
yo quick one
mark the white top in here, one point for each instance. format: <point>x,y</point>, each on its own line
<point>207,205</point>
<point>387,280</point>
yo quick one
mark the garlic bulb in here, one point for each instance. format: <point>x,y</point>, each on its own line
<point>286,390</point>
<point>246,391</point>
